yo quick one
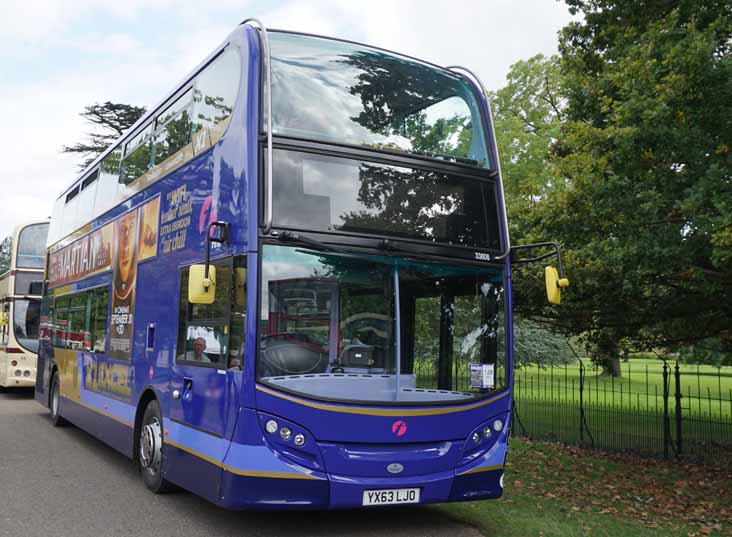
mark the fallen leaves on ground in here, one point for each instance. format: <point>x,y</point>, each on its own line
<point>658,494</point>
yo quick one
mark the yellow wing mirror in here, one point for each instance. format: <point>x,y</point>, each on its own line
<point>202,278</point>
<point>554,279</point>
<point>201,289</point>
<point>554,285</point>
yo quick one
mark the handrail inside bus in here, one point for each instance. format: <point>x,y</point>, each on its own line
<point>268,66</point>
<point>477,80</point>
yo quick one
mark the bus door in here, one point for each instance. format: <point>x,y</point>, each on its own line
<point>208,353</point>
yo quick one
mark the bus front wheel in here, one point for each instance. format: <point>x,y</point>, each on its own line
<point>151,449</point>
<point>53,405</point>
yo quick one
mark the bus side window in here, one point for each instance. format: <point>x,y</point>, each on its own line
<point>203,329</point>
<point>98,306</point>
<point>214,95</point>
<point>137,158</point>
<point>237,338</point>
<point>60,321</point>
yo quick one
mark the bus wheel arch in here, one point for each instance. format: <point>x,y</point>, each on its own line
<point>148,432</point>
<point>54,396</point>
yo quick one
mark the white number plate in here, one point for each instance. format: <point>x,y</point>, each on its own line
<point>390,496</point>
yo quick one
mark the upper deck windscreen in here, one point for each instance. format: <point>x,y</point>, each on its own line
<point>341,92</point>
<point>32,247</point>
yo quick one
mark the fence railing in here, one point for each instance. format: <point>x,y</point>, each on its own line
<point>657,409</point>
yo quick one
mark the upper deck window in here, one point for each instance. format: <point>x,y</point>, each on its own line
<point>341,92</point>
<point>32,247</point>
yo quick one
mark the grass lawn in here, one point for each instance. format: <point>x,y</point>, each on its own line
<point>706,390</point>
<point>557,491</point>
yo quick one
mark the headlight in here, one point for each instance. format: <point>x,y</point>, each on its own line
<point>18,372</point>
<point>498,425</point>
<point>26,373</point>
<point>285,433</point>
<point>299,439</point>
<point>271,426</point>
<point>487,431</point>
<point>476,437</point>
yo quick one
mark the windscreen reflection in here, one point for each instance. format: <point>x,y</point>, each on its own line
<point>341,92</point>
<point>328,322</point>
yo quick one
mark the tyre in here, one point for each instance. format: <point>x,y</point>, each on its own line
<point>53,403</point>
<point>151,450</point>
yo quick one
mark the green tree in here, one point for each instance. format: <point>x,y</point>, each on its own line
<point>6,248</point>
<point>111,121</point>
<point>645,202</point>
<point>527,114</point>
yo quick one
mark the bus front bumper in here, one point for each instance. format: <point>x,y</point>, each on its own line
<point>346,492</point>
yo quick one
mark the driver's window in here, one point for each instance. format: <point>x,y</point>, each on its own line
<point>203,329</point>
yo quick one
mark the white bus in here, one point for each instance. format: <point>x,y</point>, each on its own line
<point>22,264</point>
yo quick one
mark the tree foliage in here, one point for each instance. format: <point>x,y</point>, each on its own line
<point>528,113</point>
<point>110,120</point>
<point>644,206</point>
<point>6,250</point>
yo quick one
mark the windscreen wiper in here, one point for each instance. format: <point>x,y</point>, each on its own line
<point>288,236</point>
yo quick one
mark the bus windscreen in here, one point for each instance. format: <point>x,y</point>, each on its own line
<point>332,194</point>
<point>26,320</point>
<point>32,247</point>
<point>334,91</point>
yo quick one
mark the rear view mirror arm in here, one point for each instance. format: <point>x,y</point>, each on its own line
<point>221,238</point>
<point>556,251</point>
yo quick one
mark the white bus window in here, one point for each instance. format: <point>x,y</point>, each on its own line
<point>32,247</point>
<point>215,92</point>
<point>136,163</point>
<point>85,204</point>
<point>107,183</point>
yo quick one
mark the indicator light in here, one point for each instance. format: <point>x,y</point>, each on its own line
<point>498,425</point>
<point>14,363</point>
<point>271,426</point>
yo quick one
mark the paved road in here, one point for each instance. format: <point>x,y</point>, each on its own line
<point>63,482</point>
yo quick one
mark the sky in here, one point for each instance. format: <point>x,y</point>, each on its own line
<point>57,56</point>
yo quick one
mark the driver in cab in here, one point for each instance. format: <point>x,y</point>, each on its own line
<point>197,354</point>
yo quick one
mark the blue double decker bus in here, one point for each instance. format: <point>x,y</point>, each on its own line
<point>288,285</point>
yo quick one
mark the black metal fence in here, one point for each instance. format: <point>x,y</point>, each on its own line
<point>658,409</point>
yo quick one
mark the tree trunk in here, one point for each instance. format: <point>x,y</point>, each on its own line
<point>611,366</point>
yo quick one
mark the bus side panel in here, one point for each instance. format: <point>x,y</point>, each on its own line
<point>107,429</point>
<point>4,359</point>
<point>45,356</point>
<point>43,372</point>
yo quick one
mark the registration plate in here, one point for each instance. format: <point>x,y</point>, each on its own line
<point>390,496</point>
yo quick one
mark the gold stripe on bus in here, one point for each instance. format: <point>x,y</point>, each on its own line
<point>218,130</point>
<point>483,469</point>
<point>71,237</point>
<point>393,412</point>
<point>103,412</point>
<point>240,471</point>
<point>63,290</point>
<point>157,172</point>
